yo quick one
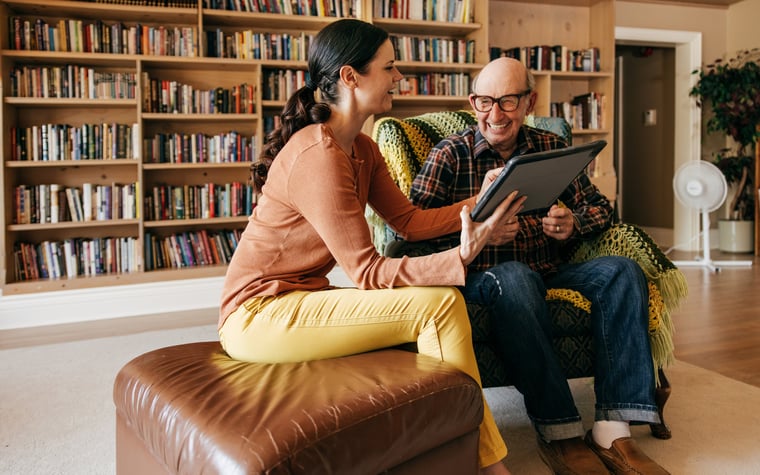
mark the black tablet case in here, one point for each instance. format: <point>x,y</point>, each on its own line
<point>541,176</point>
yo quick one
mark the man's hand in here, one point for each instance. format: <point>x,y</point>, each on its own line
<point>505,231</point>
<point>559,223</point>
<point>475,235</point>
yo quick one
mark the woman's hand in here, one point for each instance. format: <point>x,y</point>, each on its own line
<point>476,235</point>
<point>490,177</point>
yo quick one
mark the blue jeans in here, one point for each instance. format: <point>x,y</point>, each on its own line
<point>623,372</point>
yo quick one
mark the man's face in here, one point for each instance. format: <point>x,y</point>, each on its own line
<point>509,101</point>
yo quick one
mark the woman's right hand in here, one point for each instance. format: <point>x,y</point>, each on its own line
<point>491,176</point>
<point>475,235</point>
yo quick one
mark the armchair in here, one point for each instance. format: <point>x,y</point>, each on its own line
<point>405,144</point>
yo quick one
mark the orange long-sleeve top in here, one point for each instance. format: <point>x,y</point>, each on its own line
<point>310,216</point>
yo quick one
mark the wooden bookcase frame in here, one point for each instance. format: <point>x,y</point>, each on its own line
<point>200,71</point>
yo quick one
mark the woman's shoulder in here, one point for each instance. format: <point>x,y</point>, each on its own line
<point>366,146</point>
<point>310,136</point>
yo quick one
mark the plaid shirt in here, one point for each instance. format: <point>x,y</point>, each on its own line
<point>454,171</point>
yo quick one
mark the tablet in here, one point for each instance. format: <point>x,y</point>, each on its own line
<point>541,176</point>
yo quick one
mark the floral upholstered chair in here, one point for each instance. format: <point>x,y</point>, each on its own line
<point>405,144</point>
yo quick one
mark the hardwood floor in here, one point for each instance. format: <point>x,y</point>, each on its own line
<point>718,325</point>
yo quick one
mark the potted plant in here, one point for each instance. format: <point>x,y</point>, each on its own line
<point>732,90</point>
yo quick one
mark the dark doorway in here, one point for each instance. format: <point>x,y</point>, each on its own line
<point>645,127</point>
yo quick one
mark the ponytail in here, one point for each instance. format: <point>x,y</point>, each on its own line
<point>301,110</point>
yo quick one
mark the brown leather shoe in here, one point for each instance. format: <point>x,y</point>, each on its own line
<point>625,457</point>
<point>570,457</point>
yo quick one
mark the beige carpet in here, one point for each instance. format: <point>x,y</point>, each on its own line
<point>715,422</point>
<point>56,412</point>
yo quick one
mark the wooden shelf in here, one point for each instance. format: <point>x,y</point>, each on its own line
<point>72,225</point>
<point>104,11</point>
<point>131,162</point>
<point>54,102</point>
<point>270,21</point>
<point>199,117</point>
<point>173,223</point>
<point>423,67</point>
<point>420,27</point>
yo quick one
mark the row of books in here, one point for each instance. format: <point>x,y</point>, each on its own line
<point>70,81</point>
<point>280,84</point>
<point>436,50</point>
<point>583,112</point>
<point>163,96</point>
<point>72,258</point>
<point>150,3</point>
<point>80,82</point>
<point>459,11</point>
<point>271,122</point>
<point>164,202</point>
<point>323,8</point>
<point>55,203</point>
<point>96,36</point>
<point>190,249</point>
<point>435,84</point>
<point>552,58</point>
<point>249,44</point>
<point>54,142</point>
<point>227,147</point>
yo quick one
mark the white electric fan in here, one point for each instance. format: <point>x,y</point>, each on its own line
<point>701,185</point>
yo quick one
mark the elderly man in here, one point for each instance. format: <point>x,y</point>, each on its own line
<point>512,273</point>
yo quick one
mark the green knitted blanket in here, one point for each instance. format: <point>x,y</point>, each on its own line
<point>405,144</point>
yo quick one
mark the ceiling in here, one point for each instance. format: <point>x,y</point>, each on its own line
<point>719,3</point>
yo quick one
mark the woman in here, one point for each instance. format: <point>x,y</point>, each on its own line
<point>321,172</point>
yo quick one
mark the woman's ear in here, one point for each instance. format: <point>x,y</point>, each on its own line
<point>348,76</point>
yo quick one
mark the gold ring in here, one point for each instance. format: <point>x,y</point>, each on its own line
<point>557,229</point>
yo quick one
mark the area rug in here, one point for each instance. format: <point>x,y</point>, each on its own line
<point>56,411</point>
<point>715,422</point>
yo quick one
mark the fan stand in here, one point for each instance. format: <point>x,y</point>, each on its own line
<point>705,260</point>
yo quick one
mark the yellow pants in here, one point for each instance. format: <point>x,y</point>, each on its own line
<point>303,326</point>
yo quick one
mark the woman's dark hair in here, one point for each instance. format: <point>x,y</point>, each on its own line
<point>344,42</point>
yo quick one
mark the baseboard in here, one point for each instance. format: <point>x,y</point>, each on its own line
<point>105,303</point>
<point>69,314</point>
<point>66,332</point>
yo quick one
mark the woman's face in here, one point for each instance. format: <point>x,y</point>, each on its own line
<point>375,87</point>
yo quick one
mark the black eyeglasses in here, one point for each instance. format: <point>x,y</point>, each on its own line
<point>506,103</point>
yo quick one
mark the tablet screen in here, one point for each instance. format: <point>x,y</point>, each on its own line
<point>541,176</point>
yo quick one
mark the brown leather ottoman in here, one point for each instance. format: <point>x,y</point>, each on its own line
<point>191,409</point>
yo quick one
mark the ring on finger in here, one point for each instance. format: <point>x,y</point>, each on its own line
<point>556,228</point>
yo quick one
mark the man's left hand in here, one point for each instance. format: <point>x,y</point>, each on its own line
<point>505,231</point>
<point>559,223</point>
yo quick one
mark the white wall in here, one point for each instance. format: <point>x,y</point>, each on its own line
<point>102,303</point>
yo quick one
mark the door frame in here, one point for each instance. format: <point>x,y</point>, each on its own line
<point>688,117</point>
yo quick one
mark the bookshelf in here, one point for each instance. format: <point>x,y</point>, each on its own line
<point>191,113</point>
<point>455,71</point>
<point>578,25</point>
<point>200,60</point>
